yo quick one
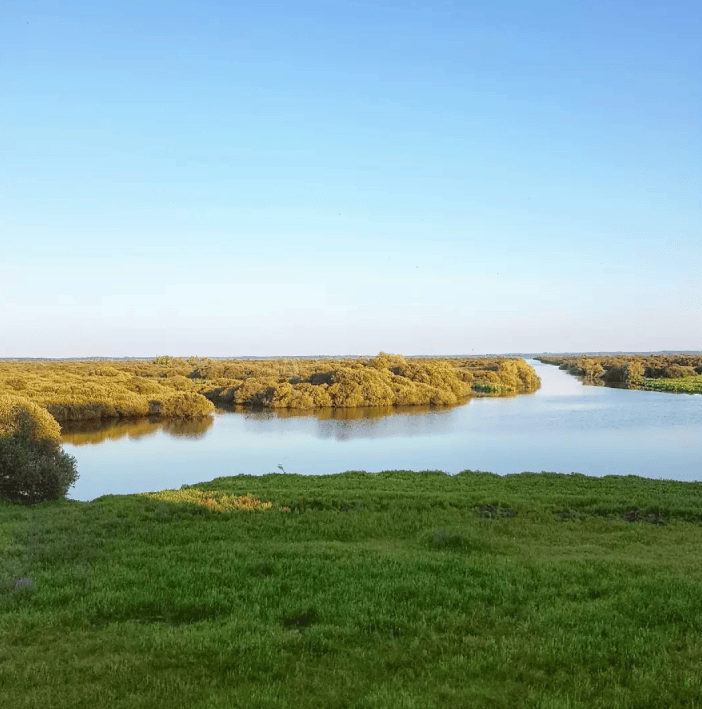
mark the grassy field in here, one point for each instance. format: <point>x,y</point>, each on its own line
<point>397,590</point>
<point>684,385</point>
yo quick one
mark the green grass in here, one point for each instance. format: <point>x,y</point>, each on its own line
<point>394,590</point>
<point>684,385</point>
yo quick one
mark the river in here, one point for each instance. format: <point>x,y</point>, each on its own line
<point>564,427</point>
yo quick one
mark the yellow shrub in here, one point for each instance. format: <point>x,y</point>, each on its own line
<point>19,416</point>
<point>112,372</point>
<point>361,386</point>
<point>178,382</point>
<point>257,392</point>
<point>181,405</point>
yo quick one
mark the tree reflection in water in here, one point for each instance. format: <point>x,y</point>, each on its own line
<point>357,413</point>
<point>80,433</point>
<point>93,431</point>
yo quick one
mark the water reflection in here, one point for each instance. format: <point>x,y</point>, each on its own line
<point>330,414</point>
<point>347,424</point>
<point>81,433</point>
<point>340,424</point>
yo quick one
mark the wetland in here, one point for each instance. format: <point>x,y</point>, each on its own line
<point>265,587</point>
<point>564,426</point>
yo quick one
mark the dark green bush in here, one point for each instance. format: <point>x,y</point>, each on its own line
<point>615,375</point>
<point>33,471</point>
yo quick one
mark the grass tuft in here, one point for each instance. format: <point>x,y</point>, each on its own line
<point>450,540</point>
<point>300,620</point>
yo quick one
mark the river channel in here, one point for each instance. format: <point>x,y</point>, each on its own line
<point>564,427</point>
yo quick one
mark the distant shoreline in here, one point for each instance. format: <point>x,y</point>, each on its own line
<point>525,355</point>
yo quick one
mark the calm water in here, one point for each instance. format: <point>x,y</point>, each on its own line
<point>564,427</point>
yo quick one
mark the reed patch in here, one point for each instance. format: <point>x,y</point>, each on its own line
<point>211,500</point>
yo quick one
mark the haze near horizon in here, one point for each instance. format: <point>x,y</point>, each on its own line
<point>289,179</point>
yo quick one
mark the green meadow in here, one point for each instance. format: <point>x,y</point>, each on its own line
<point>684,385</point>
<point>396,589</point>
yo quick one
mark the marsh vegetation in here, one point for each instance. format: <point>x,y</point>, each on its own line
<point>672,373</point>
<point>179,388</point>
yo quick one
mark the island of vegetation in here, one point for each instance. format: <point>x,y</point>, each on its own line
<point>679,373</point>
<point>175,387</point>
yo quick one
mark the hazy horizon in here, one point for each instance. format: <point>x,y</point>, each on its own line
<point>368,355</point>
<point>487,177</point>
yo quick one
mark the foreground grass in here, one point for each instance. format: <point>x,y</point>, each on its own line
<point>391,590</point>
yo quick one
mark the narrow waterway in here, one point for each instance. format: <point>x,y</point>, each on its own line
<point>564,427</point>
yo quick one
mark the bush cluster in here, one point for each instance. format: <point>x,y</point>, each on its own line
<point>33,466</point>
<point>176,388</point>
<point>628,370</point>
<point>21,417</point>
<point>74,391</point>
<point>385,380</point>
<point>34,471</point>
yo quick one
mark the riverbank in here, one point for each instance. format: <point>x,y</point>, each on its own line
<point>678,374</point>
<point>385,590</point>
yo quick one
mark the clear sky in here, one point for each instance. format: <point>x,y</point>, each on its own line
<point>219,178</point>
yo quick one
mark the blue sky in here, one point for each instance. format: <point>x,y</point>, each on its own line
<point>223,179</point>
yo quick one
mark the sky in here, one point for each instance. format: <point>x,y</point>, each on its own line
<point>225,179</point>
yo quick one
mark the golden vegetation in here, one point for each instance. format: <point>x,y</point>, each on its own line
<point>635,371</point>
<point>20,416</point>
<point>178,388</point>
<point>210,499</point>
<point>385,380</point>
<point>88,390</point>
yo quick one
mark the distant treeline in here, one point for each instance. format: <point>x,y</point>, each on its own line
<point>189,388</point>
<point>673,372</point>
